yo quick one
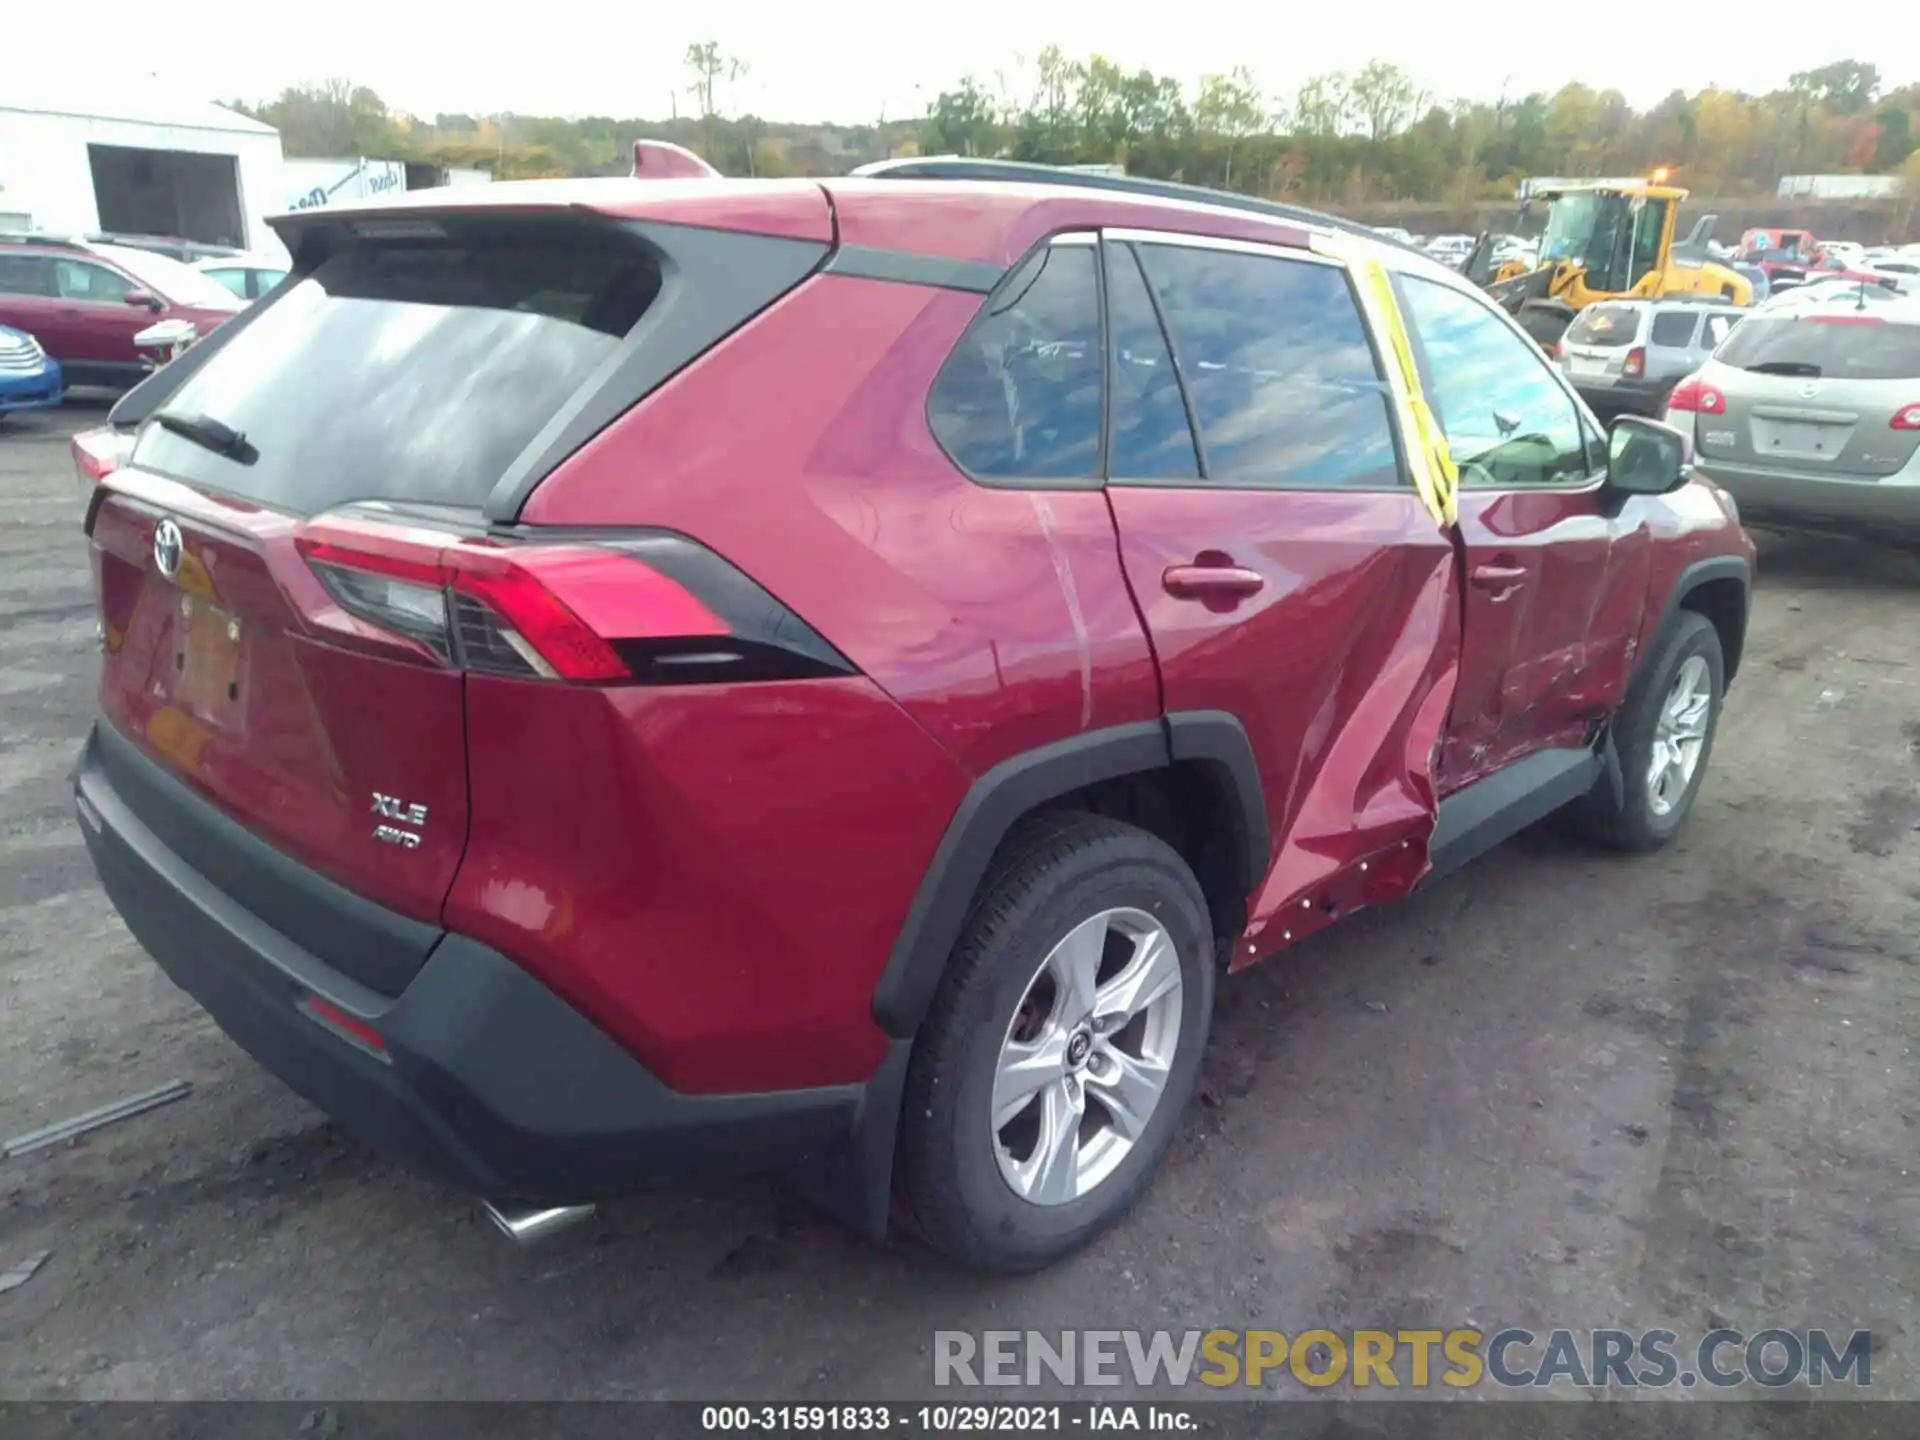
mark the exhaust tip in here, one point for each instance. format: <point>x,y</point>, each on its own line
<point>527,1225</point>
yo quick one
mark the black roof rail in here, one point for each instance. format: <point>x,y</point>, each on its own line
<point>960,167</point>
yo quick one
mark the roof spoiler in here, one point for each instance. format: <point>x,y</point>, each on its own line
<point>663,160</point>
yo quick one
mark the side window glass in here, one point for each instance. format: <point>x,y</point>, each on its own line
<point>1718,328</point>
<point>79,281</point>
<point>233,280</point>
<point>1673,329</point>
<point>1283,379</point>
<point>26,275</point>
<point>1019,398</point>
<point>1151,437</point>
<point>1506,418</point>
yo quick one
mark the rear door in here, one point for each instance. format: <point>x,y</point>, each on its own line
<point>1286,569</point>
<point>93,300</point>
<point>1817,393</point>
<point>1555,585</point>
<point>30,302</point>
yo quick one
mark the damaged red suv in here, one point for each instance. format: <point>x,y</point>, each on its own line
<point>613,682</point>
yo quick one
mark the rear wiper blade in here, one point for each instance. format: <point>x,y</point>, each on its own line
<point>209,434</point>
<point>1803,368</point>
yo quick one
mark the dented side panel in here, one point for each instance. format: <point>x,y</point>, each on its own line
<point>1548,656</point>
<point>1341,668</point>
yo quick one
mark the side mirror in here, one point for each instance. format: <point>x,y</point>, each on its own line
<point>1645,457</point>
<point>145,297</point>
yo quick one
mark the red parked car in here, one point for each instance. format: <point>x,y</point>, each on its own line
<point>85,302</point>
<point>608,682</point>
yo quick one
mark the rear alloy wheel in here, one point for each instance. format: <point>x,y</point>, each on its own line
<point>1062,1047</point>
<point>1085,1062</point>
<point>1663,736</point>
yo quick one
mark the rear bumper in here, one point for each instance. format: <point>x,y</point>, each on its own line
<point>487,1079</point>
<point>1886,509</point>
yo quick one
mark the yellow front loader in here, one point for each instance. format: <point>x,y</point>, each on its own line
<point>1605,242</point>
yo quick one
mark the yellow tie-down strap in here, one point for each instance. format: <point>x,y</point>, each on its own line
<point>1434,474</point>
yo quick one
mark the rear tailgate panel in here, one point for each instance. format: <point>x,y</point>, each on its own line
<point>209,673</point>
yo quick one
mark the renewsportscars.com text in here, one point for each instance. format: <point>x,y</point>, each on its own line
<point>1512,1358</point>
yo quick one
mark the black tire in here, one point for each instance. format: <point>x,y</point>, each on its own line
<point>1632,824</point>
<point>1052,875</point>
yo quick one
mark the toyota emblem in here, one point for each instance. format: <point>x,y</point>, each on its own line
<point>167,547</point>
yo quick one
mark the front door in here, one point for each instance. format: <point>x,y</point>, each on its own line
<point>1286,569</point>
<point>94,302</point>
<point>1554,584</point>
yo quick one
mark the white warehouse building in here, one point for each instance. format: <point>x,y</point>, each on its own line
<point>107,160</point>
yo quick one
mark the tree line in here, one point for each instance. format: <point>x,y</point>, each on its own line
<point>1340,138</point>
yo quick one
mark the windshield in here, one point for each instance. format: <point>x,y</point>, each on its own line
<point>170,279</point>
<point>1569,227</point>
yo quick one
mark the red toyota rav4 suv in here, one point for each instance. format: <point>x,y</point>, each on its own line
<point>616,681</point>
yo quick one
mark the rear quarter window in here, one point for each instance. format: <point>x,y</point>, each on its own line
<point>410,371</point>
<point>1019,398</point>
<point>1673,329</point>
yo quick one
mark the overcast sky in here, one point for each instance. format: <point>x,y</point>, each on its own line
<point>852,60</point>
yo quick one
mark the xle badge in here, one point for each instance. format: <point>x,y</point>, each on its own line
<point>391,807</point>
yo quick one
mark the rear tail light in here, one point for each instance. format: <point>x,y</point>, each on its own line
<point>1635,363</point>
<point>1907,419</point>
<point>1695,396</point>
<point>653,608</point>
<point>97,453</point>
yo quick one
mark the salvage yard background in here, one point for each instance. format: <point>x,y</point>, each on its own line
<point>1563,1088</point>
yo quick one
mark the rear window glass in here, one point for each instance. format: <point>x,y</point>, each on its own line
<point>1674,329</point>
<point>1605,325</point>
<point>1844,347</point>
<point>412,372</point>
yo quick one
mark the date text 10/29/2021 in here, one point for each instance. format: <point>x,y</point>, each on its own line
<point>958,1419</point>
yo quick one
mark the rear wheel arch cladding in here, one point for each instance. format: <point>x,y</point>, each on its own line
<point>1212,741</point>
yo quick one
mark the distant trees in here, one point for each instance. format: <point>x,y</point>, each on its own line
<point>1341,137</point>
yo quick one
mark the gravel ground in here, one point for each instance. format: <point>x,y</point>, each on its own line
<point>1560,1089</point>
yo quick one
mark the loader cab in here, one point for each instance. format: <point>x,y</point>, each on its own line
<point>1619,237</point>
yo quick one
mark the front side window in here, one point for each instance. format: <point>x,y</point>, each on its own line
<point>1507,420</point>
<point>1019,398</point>
<point>1718,328</point>
<point>1285,387</point>
<point>78,280</point>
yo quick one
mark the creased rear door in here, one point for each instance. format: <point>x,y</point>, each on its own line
<point>1288,573</point>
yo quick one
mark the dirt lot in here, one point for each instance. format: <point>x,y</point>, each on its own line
<point>1560,1089</point>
